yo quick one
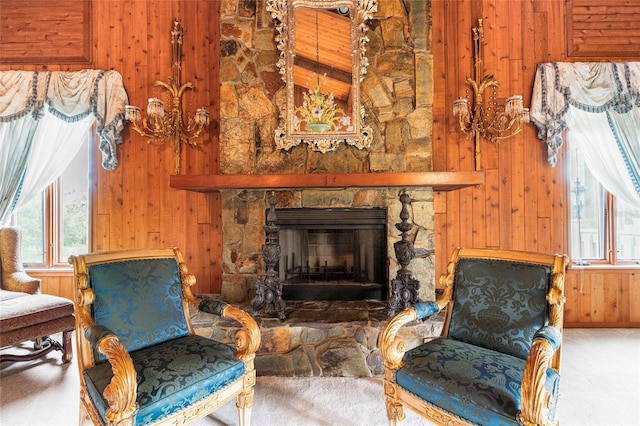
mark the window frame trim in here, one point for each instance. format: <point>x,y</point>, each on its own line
<point>52,205</point>
<point>610,260</point>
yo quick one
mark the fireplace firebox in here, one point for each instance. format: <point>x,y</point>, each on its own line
<point>332,254</point>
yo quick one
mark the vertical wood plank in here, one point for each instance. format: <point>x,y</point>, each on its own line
<point>585,310</point>
<point>465,236</point>
<point>571,295</point>
<point>611,305</point>
<point>453,232</point>
<point>543,236</point>
<point>597,296</point>
<point>492,197</point>
<point>623,301</point>
<point>634,295</point>
<point>479,223</point>
<point>439,231</point>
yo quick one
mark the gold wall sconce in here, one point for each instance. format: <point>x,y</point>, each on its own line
<point>160,124</point>
<point>496,122</point>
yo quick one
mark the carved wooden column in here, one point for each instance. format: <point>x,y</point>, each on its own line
<point>404,288</point>
<point>268,299</point>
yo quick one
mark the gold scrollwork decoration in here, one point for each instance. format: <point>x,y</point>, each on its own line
<point>121,392</point>
<point>247,340</point>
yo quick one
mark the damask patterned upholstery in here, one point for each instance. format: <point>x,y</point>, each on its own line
<point>478,384</point>
<point>498,359</point>
<point>140,321</point>
<point>171,376</point>
<point>140,362</point>
<point>499,304</point>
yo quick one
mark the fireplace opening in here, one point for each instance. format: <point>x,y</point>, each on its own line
<point>332,254</point>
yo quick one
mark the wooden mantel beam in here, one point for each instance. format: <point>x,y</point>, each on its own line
<point>439,181</point>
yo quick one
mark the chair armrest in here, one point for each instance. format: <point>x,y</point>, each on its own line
<point>535,399</point>
<point>95,333</point>
<point>549,334</point>
<point>121,392</point>
<point>391,346</point>
<point>247,340</point>
<point>21,281</point>
<point>212,306</point>
<point>426,309</point>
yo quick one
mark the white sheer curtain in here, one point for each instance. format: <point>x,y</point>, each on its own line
<point>598,106</point>
<point>16,138</point>
<point>44,120</point>
<point>48,160</point>
<point>596,142</point>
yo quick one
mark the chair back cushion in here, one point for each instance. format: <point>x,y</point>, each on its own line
<point>499,304</point>
<point>139,300</point>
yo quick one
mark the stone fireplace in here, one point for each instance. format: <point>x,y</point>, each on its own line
<point>323,337</point>
<point>243,236</point>
<point>397,95</point>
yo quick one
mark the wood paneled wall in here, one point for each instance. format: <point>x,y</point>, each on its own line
<point>602,298</point>
<point>134,206</point>
<point>523,203</point>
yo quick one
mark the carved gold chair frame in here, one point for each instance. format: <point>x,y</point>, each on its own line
<point>535,400</point>
<point>121,393</point>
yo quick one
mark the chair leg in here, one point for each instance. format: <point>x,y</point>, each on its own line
<point>84,418</point>
<point>67,351</point>
<point>395,412</point>
<point>244,404</point>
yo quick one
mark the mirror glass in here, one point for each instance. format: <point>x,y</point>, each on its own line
<point>322,46</point>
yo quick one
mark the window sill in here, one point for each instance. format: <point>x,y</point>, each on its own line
<point>603,267</point>
<point>54,271</point>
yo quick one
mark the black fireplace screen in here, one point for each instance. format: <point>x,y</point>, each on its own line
<point>332,254</point>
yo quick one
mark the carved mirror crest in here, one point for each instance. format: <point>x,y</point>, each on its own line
<point>322,46</point>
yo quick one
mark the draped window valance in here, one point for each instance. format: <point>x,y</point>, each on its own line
<point>44,119</point>
<point>598,104</point>
<point>71,97</point>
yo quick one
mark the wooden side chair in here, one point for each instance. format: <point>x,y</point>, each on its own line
<point>497,361</point>
<point>140,361</point>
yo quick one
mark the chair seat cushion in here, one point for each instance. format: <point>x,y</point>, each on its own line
<point>477,384</point>
<point>171,376</point>
<point>20,310</point>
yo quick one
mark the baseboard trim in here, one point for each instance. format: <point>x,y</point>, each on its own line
<point>602,325</point>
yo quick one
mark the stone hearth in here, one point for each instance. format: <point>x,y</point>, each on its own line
<point>325,338</point>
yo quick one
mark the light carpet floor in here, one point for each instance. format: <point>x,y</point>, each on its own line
<point>600,386</point>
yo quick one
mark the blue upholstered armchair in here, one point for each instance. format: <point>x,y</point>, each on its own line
<point>140,361</point>
<point>497,361</point>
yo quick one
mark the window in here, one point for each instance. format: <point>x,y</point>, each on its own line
<point>604,229</point>
<point>55,225</point>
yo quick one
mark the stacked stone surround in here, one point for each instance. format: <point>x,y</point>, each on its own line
<point>244,235</point>
<point>397,94</point>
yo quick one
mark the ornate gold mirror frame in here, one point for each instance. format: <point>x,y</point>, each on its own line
<point>322,46</point>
